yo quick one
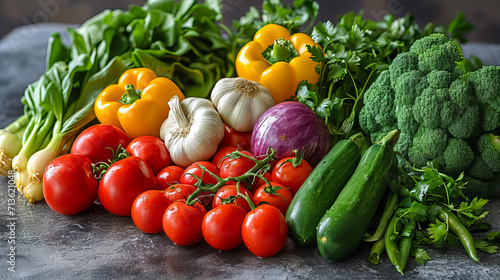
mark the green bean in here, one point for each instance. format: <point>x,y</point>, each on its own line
<point>377,250</point>
<point>460,231</point>
<point>391,246</point>
<point>386,217</point>
<point>404,246</point>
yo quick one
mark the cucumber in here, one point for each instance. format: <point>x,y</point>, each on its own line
<point>320,189</point>
<point>342,227</point>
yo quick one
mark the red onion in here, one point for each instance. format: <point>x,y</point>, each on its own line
<point>290,126</point>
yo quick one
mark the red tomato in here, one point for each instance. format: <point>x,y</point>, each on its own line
<point>235,138</point>
<point>216,160</point>
<point>69,186</point>
<point>168,176</point>
<point>182,223</point>
<point>264,231</point>
<point>123,182</point>
<point>179,191</point>
<point>259,182</point>
<point>195,170</point>
<point>277,195</point>
<point>148,209</point>
<point>236,167</point>
<point>289,176</point>
<point>221,226</point>
<point>152,150</point>
<point>97,141</point>
<point>229,191</point>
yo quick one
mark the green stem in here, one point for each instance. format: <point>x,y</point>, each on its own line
<point>253,172</point>
<point>18,124</point>
<point>281,50</point>
<point>37,135</point>
<point>390,139</point>
<point>130,95</point>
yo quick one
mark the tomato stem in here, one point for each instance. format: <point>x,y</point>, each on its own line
<point>253,172</point>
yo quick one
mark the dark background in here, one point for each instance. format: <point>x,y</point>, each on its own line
<point>482,14</point>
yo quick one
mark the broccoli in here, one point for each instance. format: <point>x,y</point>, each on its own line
<point>440,110</point>
<point>491,118</point>
<point>486,81</point>
<point>489,148</point>
<point>458,156</point>
<point>479,169</point>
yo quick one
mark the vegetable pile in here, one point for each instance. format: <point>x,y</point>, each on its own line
<point>356,132</point>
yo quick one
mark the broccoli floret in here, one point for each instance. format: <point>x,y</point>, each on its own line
<point>458,156</point>
<point>461,93</point>
<point>403,63</point>
<point>479,169</point>
<point>428,106</point>
<point>491,118</point>
<point>408,86</point>
<point>377,117</point>
<point>439,79</point>
<point>489,148</point>
<point>439,54</point>
<point>486,81</point>
<point>426,43</point>
<point>405,120</point>
<point>428,144</point>
<point>464,122</point>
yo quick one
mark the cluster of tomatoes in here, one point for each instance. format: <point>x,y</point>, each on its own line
<point>144,183</point>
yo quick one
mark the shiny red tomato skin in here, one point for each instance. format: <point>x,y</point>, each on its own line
<point>217,158</point>
<point>235,138</point>
<point>280,200</point>
<point>179,191</point>
<point>264,231</point>
<point>221,226</point>
<point>230,190</point>
<point>236,167</point>
<point>289,176</point>
<point>95,141</point>
<point>69,186</point>
<point>168,176</point>
<point>148,209</point>
<point>194,169</point>
<point>182,223</point>
<point>152,150</point>
<point>123,182</point>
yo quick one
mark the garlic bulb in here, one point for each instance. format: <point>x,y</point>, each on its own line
<point>192,130</point>
<point>241,102</point>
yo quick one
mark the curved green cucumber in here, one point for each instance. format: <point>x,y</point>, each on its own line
<point>319,191</point>
<point>342,227</point>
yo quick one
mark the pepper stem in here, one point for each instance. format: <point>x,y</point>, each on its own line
<point>131,94</point>
<point>281,50</point>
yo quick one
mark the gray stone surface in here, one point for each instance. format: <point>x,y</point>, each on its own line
<point>99,245</point>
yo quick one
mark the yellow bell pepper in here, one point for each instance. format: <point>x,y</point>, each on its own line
<point>138,104</point>
<point>278,61</point>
